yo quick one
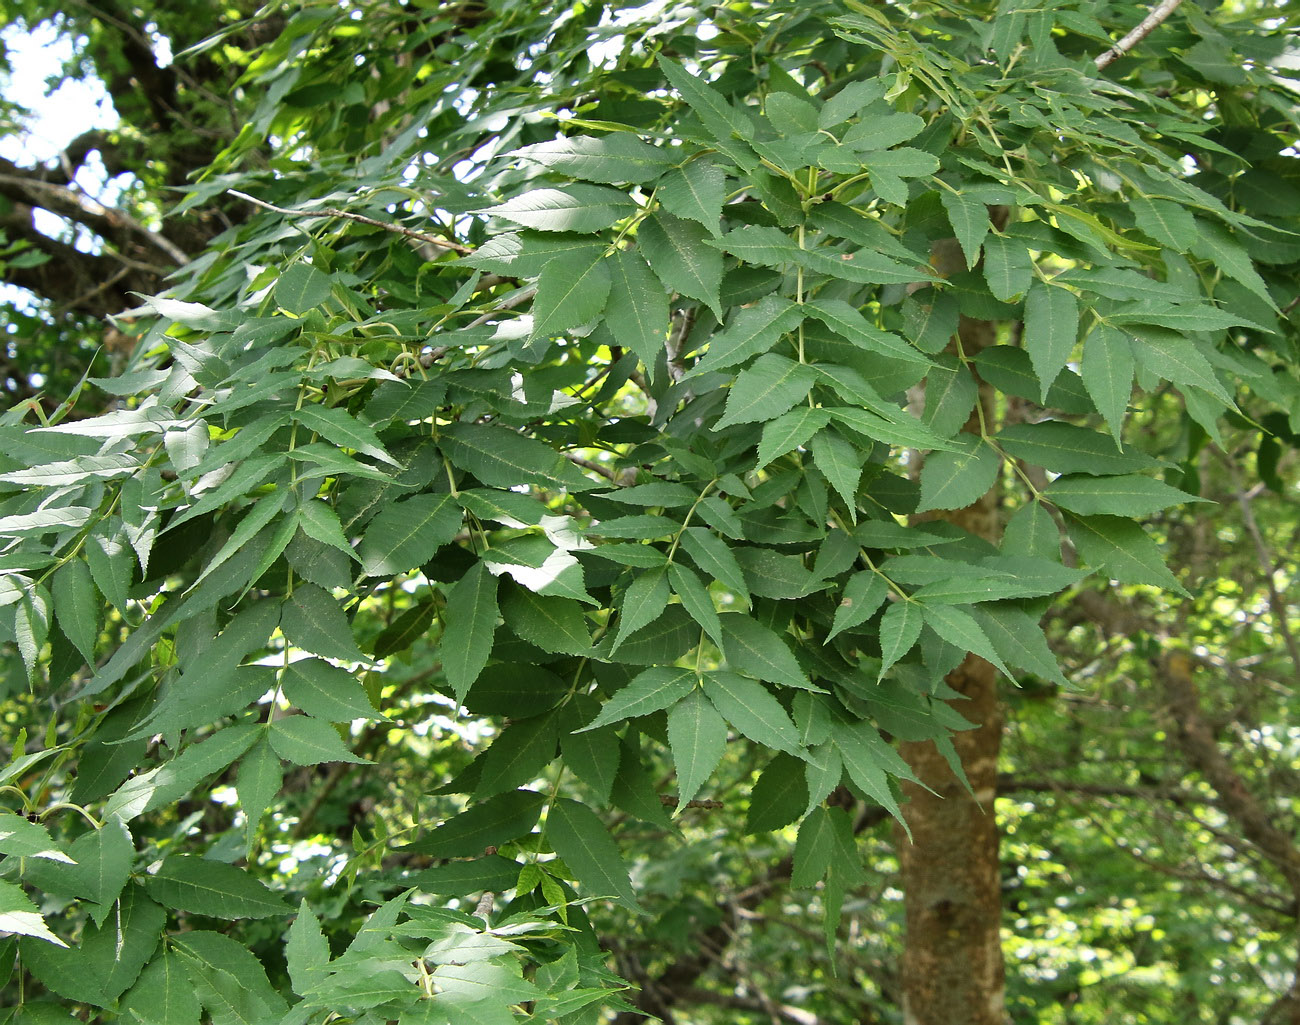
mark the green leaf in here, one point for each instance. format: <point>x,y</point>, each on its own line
<point>788,432</point>
<point>662,642</point>
<point>885,131</point>
<point>75,606</point>
<point>676,252</point>
<point>1032,531</point>
<point>111,565</point>
<point>301,288</point>
<point>469,628</point>
<point>751,708</point>
<point>845,320</point>
<point>1183,317</point>
<point>1122,549</point>
<point>260,779</point>
<point>900,628</point>
<point>637,312</point>
<point>202,887</point>
<point>337,427</point>
<point>211,956</point>
<point>1065,448</point>
<point>950,395</point>
<point>697,736</point>
<point>765,390</point>
<point>865,266</point>
<point>887,167</point>
<point>484,824</point>
<point>1169,355</point>
<point>1216,244</point>
<point>1007,267</point>
<point>960,629</point>
<point>19,915</point>
<point>505,688</point>
<point>307,951</point>
<point>814,849</point>
<point>970,222</point>
<point>611,159</point>
<point>1168,223</point>
<point>1019,640</point>
<point>866,757</point>
<point>762,246</point>
<point>167,783</point>
<point>823,771</point>
<point>1107,372</point>
<point>407,534</point>
<point>108,959</point>
<point>750,330</point>
<point>580,838</point>
<point>44,521</point>
<point>954,480</point>
<point>72,471</point>
<point>863,595</point>
<point>303,740</point>
<point>405,401</point>
<point>754,649</point>
<point>1131,495</point>
<point>696,600</point>
<point>163,994</point>
<point>325,691</point>
<point>552,623</point>
<point>644,600</point>
<point>778,797</point>
<point>571,291</point>
<point>715,557</point>
<point>1051,324</point>
<point>104,858</point>
<point>519,754</point>
<point>502,458</point>
<point>526,254</point>
<point>723,121</point>
<point>578,208</point>
<point>841,463</point>
<point>695,191</point>
<point>20,838</point>
<point>312,620</point>
<point>508,507</point>
<point>663,493</point>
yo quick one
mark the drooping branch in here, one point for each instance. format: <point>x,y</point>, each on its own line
<point>1144,28</point>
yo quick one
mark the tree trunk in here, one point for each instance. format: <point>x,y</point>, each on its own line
<point>952,968</point>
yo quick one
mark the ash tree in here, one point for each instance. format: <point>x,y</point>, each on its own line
<point>546,426</point>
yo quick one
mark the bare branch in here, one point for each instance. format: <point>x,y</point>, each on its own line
<point>592,465</point>
<point>1145,27</point>
<point>114,225</point>
<point>327,211</point>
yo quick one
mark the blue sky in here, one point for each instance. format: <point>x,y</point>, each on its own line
<point>62,115</point>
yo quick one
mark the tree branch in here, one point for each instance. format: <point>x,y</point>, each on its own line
<point>327,211</point>
<point>1194,735</point>
<point>94,284</point>
<point>113,225</point>
<point>1145,27</point>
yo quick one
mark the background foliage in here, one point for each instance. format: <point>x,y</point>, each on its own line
<point>497,567</point>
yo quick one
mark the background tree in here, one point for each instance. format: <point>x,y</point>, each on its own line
<point>576,445</point>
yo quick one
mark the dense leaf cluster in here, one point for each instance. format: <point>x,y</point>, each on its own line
<point>644,419</point>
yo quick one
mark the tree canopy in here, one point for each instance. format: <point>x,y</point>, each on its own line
<point>742,512</point>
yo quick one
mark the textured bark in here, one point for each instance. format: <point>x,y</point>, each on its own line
<point>952,966</point>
